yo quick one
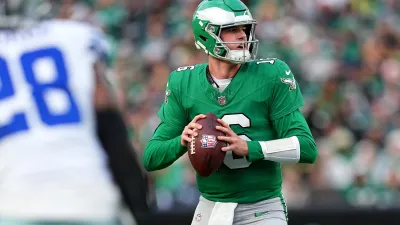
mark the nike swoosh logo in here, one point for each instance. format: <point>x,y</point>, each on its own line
<point>259,214</point>
<point>288,72</point>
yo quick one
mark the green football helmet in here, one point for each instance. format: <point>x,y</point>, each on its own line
<point>211,16</point>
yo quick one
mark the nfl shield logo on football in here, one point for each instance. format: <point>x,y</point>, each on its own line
<point>222,100</point>
<point>208,141</point>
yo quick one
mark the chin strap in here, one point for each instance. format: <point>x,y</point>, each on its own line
<point>239,56</point>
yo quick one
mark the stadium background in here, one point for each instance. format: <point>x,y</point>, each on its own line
<point>345,55</point>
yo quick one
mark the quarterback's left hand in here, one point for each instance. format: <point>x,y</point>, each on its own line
<point>236,144</point>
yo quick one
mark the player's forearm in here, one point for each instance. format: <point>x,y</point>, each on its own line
<point>160,154</point>
<point>284,150</point>
<point>296,149</point>
<point>296,144</point>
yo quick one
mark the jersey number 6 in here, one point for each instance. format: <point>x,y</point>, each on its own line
<point>232,161</point>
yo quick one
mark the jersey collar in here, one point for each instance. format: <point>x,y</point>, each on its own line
<point>225,97</point>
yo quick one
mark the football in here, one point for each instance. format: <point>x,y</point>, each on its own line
<point>205,150</point>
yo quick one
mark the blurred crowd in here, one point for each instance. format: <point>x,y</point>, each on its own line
<point>345,55</point>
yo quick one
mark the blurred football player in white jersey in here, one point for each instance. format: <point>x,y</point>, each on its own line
<point>54,155</point>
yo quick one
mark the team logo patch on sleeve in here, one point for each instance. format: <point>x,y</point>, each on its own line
<point>290,82</point>
<point>208,141</point>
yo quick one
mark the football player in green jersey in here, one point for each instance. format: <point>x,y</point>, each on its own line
<point>257,101</point>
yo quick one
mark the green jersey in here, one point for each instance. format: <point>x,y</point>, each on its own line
<point>261,103</point>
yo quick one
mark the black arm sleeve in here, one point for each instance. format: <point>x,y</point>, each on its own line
<point>123,163</point>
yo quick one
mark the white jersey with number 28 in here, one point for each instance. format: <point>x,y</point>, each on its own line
<point>51,165</point>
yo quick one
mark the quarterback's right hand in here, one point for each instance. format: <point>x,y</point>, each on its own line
<point>190,130</point>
